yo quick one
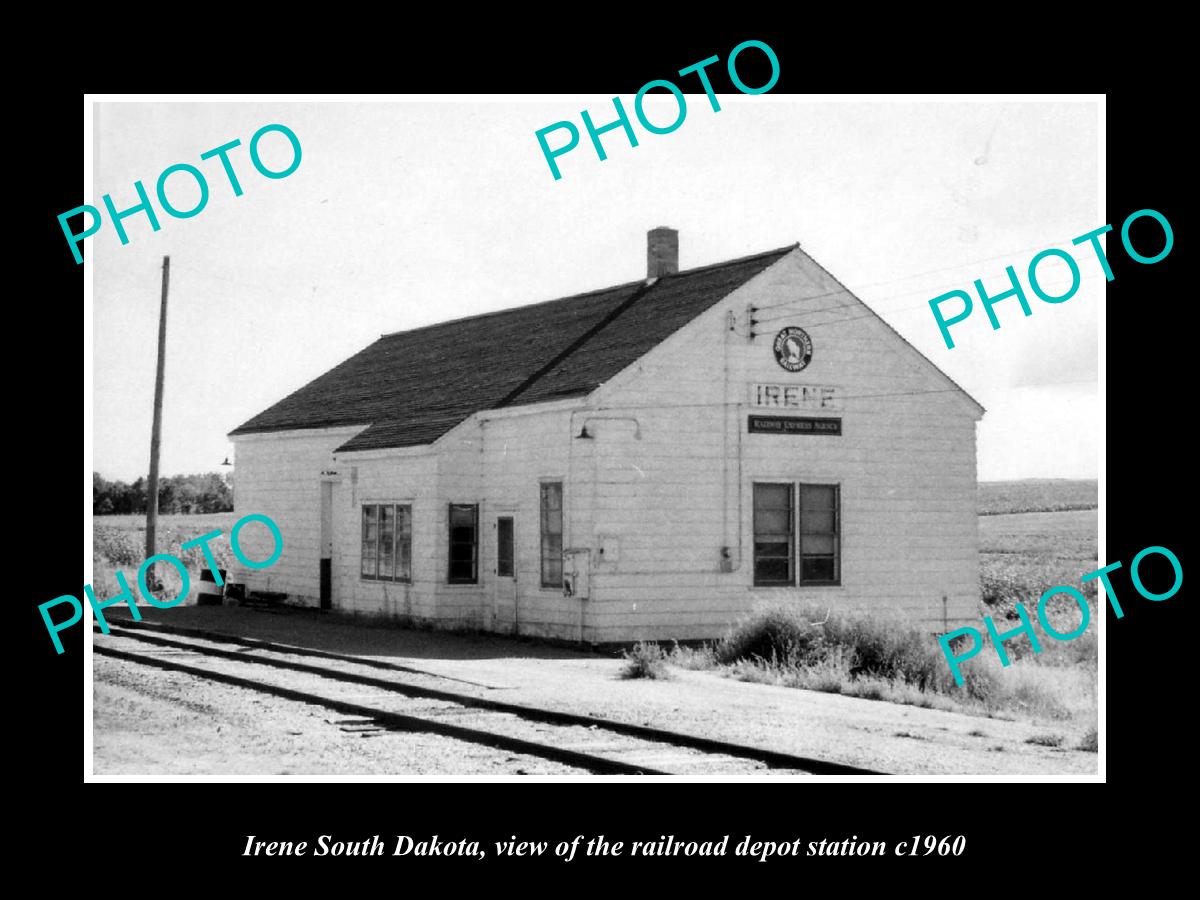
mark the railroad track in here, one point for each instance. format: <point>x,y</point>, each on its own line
<point>412,700</point>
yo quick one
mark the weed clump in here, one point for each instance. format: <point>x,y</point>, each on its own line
<point>776,637</point>
<point>877,658</point>
<point>1045,740</point>
<point>1090,742</point>
<point>645,660</point>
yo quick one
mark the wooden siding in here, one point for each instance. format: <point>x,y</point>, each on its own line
<point>279,475</point>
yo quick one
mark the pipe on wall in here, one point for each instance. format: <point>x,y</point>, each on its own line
<point>733,411</point>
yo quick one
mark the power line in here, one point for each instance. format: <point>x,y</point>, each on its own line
<point>846,290</point>
<point>274,289</point>
<point>718,404</point>
<point>794,315</point>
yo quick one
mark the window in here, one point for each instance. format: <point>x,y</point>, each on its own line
<point>464,546</point>
<point>552,521</point>
<point>504,546</point>
<point>819,534</point>
<point>386,542</point>
<point>796,534</point>
<point>774,562</point>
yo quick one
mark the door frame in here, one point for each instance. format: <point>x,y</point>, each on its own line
<point>510,513</point>
<point>325,548</point>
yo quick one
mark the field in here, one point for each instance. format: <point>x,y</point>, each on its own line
<point>176,527</point>
<point>1022,552</point>
<point>119,542</point>
<point>1036,495</point>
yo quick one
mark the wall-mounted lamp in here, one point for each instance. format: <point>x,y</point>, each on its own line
<point>227,462</point>
<point>637,426</point>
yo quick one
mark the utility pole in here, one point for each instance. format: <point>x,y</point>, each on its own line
<point>156,432</point>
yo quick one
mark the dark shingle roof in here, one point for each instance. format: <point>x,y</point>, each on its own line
<point>412,387</point>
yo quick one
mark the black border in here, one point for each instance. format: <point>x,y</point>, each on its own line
<point>196,833</point>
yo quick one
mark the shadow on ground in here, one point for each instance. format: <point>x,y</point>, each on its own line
<point>337,633</point>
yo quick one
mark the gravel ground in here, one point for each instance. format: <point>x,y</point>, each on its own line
<point>877,735</point>
<point>152,722</point>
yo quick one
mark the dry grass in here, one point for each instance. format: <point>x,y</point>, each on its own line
<point>1021,556</point>
<point>1090,742</point>
<point>692,656</point>
<point>878,659</point>
<point>645,660</point>
<point>1045,740</point>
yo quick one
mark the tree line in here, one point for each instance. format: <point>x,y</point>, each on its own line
<point>207,493</point>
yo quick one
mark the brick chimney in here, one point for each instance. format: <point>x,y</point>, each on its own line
<point>662,252</point>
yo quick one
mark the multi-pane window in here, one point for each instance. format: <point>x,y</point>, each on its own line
<point>819,534</point>
<point>387,542</point>
<point>774,556</point>
<point>796,534</point>
<point>552,532</point>
<point>464,544</point>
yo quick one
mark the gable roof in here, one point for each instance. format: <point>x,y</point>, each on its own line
<point>925,360</point>
<point>411,387</point>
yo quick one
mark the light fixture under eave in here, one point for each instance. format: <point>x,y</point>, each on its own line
<point>584,433</point>
<point>227,462</point>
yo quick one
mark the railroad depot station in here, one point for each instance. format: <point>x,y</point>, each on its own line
<point>643,462</point>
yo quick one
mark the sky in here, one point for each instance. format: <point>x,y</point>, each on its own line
<point>412,212</point>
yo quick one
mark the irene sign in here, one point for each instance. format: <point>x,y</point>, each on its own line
<point>794,425</point>
<point>812,397</point>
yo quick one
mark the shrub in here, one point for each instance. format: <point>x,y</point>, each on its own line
<point>1045,740</point>
<point>778,637</point>
<point>831,674</point>
<point>856,647</point>
<point>1090,742</point>
<point>879,659</point>
<point>689,657</point>
<point>1064,616</point>
<point>645,660</point>
<point>981,683</point>
<point>887,650</point>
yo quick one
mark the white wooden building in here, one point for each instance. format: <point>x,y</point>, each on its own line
<point>648,461</point>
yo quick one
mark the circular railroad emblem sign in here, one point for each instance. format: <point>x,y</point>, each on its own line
<point>793,348</point>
